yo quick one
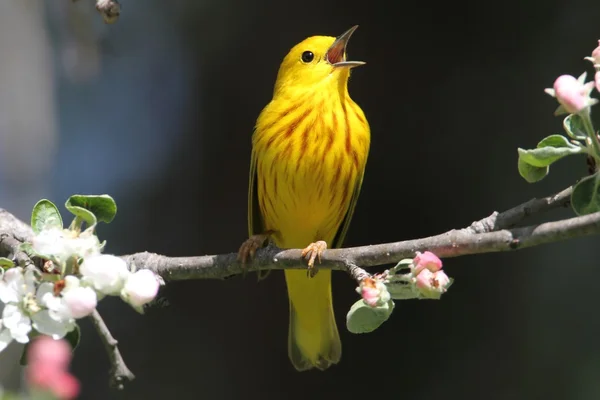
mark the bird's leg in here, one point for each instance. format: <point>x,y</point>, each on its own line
<point>248,249</point>
<point>311,252</point>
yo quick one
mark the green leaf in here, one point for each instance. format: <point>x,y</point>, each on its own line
<point>530,173</point>
<point>74,337</point>
<point>45,215</point>
<point>574,127</point>
<point>6,263</point>
<point>363,318</point>
<point>103,207</point>
<point>549,150</point>
<point>92,208</point>
<point>405,263</point>
<point>585,198</point>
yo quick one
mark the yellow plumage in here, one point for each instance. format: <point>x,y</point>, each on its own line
<point>309,151</point>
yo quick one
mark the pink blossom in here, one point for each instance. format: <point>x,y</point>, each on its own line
<point>432,284</point>
<point>374,292</point>
<point>370,295</point>
<point>595,58</point>
<point>426,260</point>
<point>573,94</point>
<point>597,80</point>
<point>48,361</point>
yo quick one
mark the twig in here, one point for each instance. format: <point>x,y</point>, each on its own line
<point>119,373</point>
<point>513,216</point>
<point>357,273</point>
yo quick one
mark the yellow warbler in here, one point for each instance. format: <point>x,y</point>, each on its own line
<point>309,151</point>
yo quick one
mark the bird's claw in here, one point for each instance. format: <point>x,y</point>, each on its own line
<point>248,250</point>
<point>312,252</point>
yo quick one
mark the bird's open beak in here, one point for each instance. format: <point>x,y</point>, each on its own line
<point>336,55</point>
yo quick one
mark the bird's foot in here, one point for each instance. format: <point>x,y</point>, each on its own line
<point>248,250</point>
<point>311,252</point>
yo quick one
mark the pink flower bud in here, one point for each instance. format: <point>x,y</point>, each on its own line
<point>426,260</point>
<point>432,284</point>
<point>48,361</point>
<point>597,80</point>
<point>595,58</point>
<point>572,94</point>
<point>374,292</point>
<point>45,350</point>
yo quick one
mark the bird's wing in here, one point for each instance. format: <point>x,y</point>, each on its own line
<point>338,241</point>
<point>255,220</point>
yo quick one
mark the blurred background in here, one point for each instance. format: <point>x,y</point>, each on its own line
<point>157,110</point>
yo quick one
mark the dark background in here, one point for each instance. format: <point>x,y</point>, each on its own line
<point>157,110</point>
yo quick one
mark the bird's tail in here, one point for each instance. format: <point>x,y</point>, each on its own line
<point>313,339</point>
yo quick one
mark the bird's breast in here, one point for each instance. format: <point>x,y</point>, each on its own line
<point>309,155</point>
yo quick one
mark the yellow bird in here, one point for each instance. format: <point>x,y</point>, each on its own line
<point>309,151</point>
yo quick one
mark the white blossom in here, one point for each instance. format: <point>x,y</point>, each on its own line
<point>55,319</point>
<point>16,320</point>
<point>106,273</point>
<point>140,288</point>
<point>25,308</point>
<point>64,243</point>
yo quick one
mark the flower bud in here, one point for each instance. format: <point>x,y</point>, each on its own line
<point>80,301</point>
<point>140,288</point>
<point>48,360</point>
<point>106,273</point>
<point>46,350</point>
<point>595,58</point>
<point>426,260</point>
<point>573,94</point>
<point>432,284</point>
<point>374,292</point>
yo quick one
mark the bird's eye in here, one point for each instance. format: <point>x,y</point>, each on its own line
<point>307,56</point>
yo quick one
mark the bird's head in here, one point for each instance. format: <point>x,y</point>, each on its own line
<point>316,60</point>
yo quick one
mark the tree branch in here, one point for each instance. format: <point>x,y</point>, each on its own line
<point>497,232</point>
<point>119,373</point>
<point>487,235</point>
<point>491,234</point>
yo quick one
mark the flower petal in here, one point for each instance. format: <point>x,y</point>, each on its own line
<point>11,316</point>
<point>16,322</point>
<point>43,291</point>
<point>46,325</point>
<point>5,338</point>
<point>10,284</point>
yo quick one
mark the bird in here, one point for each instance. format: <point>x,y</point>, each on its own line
<point>310,146</point>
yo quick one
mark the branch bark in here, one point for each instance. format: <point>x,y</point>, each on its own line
<point>119,373</point>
